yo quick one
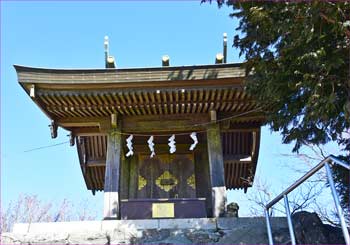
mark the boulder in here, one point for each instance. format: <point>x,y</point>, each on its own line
<point>309,229</point>
<point>334,234</point>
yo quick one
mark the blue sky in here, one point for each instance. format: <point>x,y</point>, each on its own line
<point>70,35</point>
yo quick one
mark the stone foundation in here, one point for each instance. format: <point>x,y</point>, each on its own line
<point>164,231</point>
<point>175,231</point>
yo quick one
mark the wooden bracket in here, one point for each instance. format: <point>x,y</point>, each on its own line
<point>114,120</point>
<point>32,91</point>
<point>213,116</point>
<point>71,139</point>
<point>53,128</point>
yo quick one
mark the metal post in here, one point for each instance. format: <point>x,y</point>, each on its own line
<point>289,219</point>
<point>337,204</point>
<point>268,226</point>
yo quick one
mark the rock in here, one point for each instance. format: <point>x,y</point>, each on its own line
<point>9,238</point>
<point>308,228</point>
<point>88,238</point>
<point>163,236</point>
<point>202,237</point>
<point>232,210</point>
<point>45,238</point>
<point>179,239</point>
<point>334,234</point>
<point>244,235</point>
<point>281,236</point>
<point>151,236</point>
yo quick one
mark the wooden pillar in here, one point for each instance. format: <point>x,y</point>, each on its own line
<point>216,170</point>
<point>203,188</point>
<point>111,186</point>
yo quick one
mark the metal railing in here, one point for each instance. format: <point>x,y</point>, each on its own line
<point>324,163</point>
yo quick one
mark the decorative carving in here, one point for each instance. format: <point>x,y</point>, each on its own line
<point>191,181</point>
<point>166,181</point>
<point>142,182</point>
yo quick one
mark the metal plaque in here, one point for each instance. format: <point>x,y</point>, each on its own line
<point>163,210</point>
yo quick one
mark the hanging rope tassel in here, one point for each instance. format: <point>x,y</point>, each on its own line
<point>129,145</point>
<point>172,143</point>
<point>151,146</point>
<point>195,140</point>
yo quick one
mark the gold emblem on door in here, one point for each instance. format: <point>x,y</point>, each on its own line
<point>191,181</point>
<point>166,181</point>
<point>142,182</point>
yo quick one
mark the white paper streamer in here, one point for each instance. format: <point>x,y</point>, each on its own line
<point>129,145</point>
<point>151,146</point>
<point>172,143</point>
<point>195,140</point>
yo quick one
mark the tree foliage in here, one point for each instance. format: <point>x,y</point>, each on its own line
<point>297,64</point>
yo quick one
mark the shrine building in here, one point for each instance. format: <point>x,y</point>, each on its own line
<point>121,120</point>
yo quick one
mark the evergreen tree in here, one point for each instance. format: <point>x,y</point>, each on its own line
<point>297,65</point>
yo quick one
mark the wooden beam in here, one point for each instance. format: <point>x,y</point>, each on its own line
<point>216,170</point>
<point>96,163</point>
<point>161,123</point>
<point>86,131</point>
<point>163,148</point>
<point>85,126</point>
<point>71,122</point>
<point>111,185</point>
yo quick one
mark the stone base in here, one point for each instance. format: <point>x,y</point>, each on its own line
<point>165,231</point>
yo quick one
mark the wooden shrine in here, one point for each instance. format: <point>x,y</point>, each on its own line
<point>103,107</point>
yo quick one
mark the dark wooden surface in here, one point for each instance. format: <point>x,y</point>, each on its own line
<point>215,153</point>
<point>216,170</point>
<point>180,167</point>
<point>133,175</point>
<point>203,187</point>
<point>112,175</point>
<point>183,208</point>
<point>124,176</point>
<point>113,163</point>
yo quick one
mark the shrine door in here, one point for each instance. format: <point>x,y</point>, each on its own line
<point>166,176</point>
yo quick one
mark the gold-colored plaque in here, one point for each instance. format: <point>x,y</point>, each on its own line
<point>163,210</point>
